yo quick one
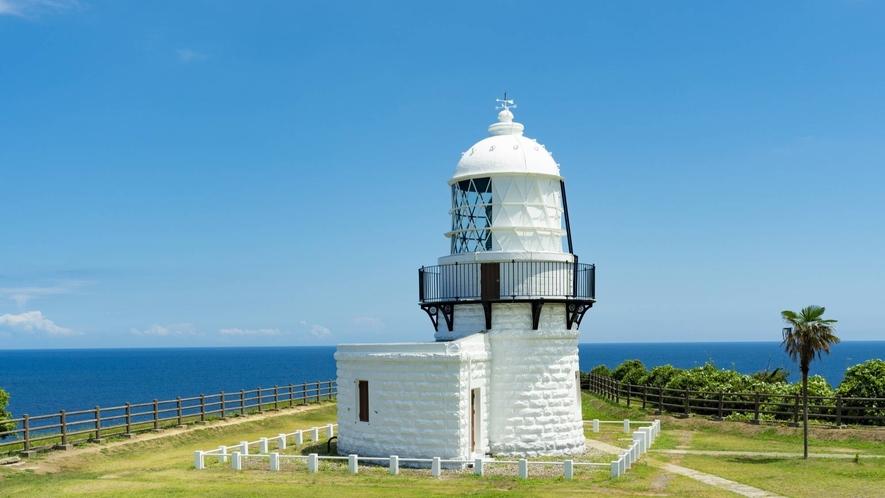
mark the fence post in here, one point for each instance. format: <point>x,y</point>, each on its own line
<point>644,395</point>
<point>330,388</point>
<point>318,391</point>
<point>26,427</point>
<point>242,402</point>
<point>687,410</point>
<point>839,410</point>
<point>720,404</point>
<point>618,392</point>
<point>291,395</point>
<point>128,418</point>
<point>756,409</point>
<point>64,428</point>
<point>304,393</point>
<point>221,400</point>
<point>796,408</point>
<point>178,408</point>
<point>259,401</point>
<point>97,422</point>
<point>661,400</point>
<point>202,408</point>
<point>276,397</point>
<point>156,415</point>
<point>629,393</point>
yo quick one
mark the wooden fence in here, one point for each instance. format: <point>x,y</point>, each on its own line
<point>836,409</point>
<point>68,427</point>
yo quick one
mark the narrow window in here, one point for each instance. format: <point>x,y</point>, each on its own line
<point>364,400</point>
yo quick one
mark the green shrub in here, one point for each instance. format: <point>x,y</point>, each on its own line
<point>5,415</point>
<point>866,380</point>
<point>630,372</point>
<point>602,371</point>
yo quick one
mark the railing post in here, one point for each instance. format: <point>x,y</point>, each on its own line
<point>178,407</point>
<point>202,408</point>
<point>64,427</point>
<point>128,418</point>
<point>259,401</point>
<point>618,392</point>
<point>644,395</point>
<point>156,415</point>
<point>97,422</point>
<point>796,408</point>
<point>687,410</point>
<point>291,395</point>
<point>318,391</point>
<point>839,410</point>
<point>756,409</point>
<point>720,404</point>
<point>661,400</point>
<point>304,393</point>
<point>27,429</point>
<point>221,400</point>
<point>421,284</point>
<point>242,402</point>
<point>276,397</point>
<point>629,393</point>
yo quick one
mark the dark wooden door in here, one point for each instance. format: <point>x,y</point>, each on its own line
<point>491,281</point>
<point>472,420</point>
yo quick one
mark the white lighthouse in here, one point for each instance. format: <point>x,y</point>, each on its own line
<point>501,377</point>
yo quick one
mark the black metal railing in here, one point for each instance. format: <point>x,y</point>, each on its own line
<point>506,281</point>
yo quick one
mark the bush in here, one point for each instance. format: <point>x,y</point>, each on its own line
<point>660,375</point>
<point>630,372</point>
<point>5,415</point>
<point>866,380</point>
<point>602,371</point>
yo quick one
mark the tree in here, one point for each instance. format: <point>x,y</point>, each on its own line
<point>865,381</point>
<point>808,335</point>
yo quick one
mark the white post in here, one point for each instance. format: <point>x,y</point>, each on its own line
<point>222,454</point>
<point>198,460</point>
<point>626,426</point>
<point>622,464</point>
<point>637,441</point>
<point>236,461</point>
<point>299,438</point>
<point>315,434</point>
<point>616,468</point>
<point>595,425</point>
<point>281,442</point>
<point>646,431</point>
<point>435,467</point>
<point>274,461</point>
<point>523,468</point>
<point>313,462</point>
<point>262,446</point>
<point>353,465</point>
<point>244,447</point>
<point>330,430</point>
<point>477,467</point>
<point>394,464</point>
<point>568,469</point>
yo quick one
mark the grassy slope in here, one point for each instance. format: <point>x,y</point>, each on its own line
<point>163,466</point>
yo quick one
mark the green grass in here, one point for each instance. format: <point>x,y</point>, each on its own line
<point>164,467</point>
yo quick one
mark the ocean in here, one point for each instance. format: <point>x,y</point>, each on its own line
<point>45,381</point>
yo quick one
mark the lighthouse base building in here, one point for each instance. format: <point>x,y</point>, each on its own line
<point>501,377</point>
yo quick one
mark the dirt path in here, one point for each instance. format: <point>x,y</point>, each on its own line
<point>51,462</point>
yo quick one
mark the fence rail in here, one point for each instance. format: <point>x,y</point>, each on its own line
<point>788,407</point>
<point>68,427</point>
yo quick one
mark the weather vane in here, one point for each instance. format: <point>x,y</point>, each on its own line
<point>505,104</point>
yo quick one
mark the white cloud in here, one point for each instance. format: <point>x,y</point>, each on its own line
<point>319,331</point>
<point>369,322</point>
<point>34,320</point>
<point>21,295</point>
<point>178,329</point>
<point>188,55</point>
<point>303,322</point>
<point>35,8</point>
<point>236,331</point>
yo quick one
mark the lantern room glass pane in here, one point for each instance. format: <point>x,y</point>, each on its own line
<point>471,215</point>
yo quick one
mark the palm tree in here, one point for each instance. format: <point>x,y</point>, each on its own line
<point>808,336</point>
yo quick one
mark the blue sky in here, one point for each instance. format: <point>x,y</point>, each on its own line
<point>274,173</point>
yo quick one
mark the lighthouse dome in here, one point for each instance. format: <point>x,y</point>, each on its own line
<point>505,151</point>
